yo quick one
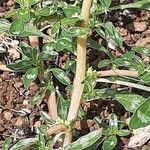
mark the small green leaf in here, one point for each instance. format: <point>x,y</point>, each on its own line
<point>4,25</point>
<point>33,2</point>
<point>62,106</point>
<point>7,143</point>
<point>61,76</point>
<point>113,34</point>
<point>64,43</point>
<point>110,143</point>
<point>130,101</point>
<point>71,11</point>
<point>123,132</point>
<point>69,21</point>
<point>17,27</point>
<point>11,13</point>
<point>26,49</point>
<point>47,118</point>
<point>104,63</point>
<point>30,76</point>
<point>32,31</point>
<point>145,77</point>
<point>141,117</point>
<point>56,28</point>
<point>142,50</point>
<point>129,55</point>
<point>105,3</point>
<point>24,143</point>
<point>47,11</point>
<point>24,14</point>
<point>38,97</point>
<point>77,31</point>
<point>85,141</point>
<point>22,65</point>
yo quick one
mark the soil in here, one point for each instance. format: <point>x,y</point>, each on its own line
<point>17,119</point>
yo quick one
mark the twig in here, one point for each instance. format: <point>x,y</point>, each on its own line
<point>58,128</point>
<point>134,85</point>
<point>80,69</point>
<point>118,72</point>
<point>52,105</point>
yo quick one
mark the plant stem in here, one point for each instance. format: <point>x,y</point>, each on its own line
<point>118,72</point>
<point>134,85</point>
<point>80,69</point>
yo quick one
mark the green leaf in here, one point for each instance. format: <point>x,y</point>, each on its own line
<point>38,97</point>
<point>123,132</point>
<point>30,76</point>
<point>47,11</point>
<point>104,63</point>
<point>130,101</point>
<point>128,55</point>
<point>142,50</point>
<point>113,34</point>
<point>33,2</point>
<point>77,31</point>
<point>32,31</point>
<point>24,14</point>
<point>56,28</point>
<point>24,143</point>
<point>69,21</point>
<point>71,11</point>
<point>26,49</point>
<point>145,77</point>
<point>141,117</point>
<point>109,143</point>
<point>62,106</point>
<point>61,76</point>
<point>4,25</point>
<point>95,45</point>
<point>7,143</point>
<point>11,13</point>
<point>85,141</point>
<point>17,27</point>
<point>105,3</point>
<point>47,118</point>
<point>22,65</point>
<point>63,43</point>
<point>48,52</point>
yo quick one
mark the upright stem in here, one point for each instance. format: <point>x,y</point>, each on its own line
<point>80,69</point>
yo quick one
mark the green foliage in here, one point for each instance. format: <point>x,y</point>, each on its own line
<point>85,141</point>
<point>141,117</point>
<point>62,21</point>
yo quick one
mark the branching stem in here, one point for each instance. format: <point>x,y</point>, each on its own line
<point>80,69</point>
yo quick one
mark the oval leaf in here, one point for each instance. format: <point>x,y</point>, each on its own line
<point>130,101</point>
<point>21,65</point>
<point>85,141</point>
<point>141,118</point>
<point>24,143</point>
<point>24,14</point>
<point>104,63</point>
<point>30,76</point>
<point>64,43</point>
<point>123,132</point>
<point>110,143</point>
<point>17,27</point>
<point>61,76</point>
